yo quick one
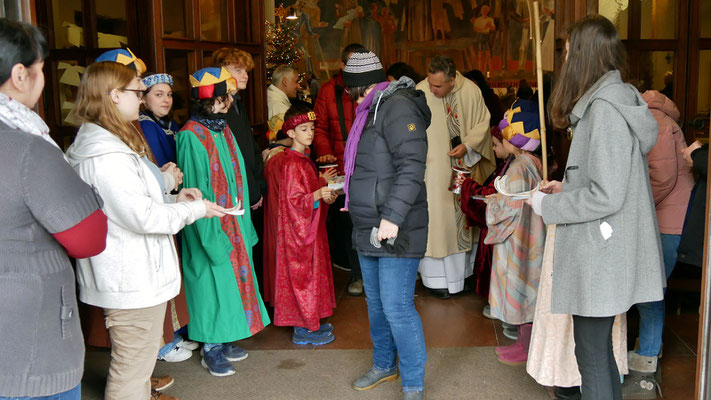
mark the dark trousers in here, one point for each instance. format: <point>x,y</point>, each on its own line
<point>340,237</point>
<point>596,362</point>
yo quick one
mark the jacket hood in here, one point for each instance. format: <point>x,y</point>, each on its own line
<point>93,141</point>
<point>628,101</point>
<point>416,96</point>
<point>657,101</point>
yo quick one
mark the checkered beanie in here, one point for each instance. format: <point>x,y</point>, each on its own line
<point>363,69</point>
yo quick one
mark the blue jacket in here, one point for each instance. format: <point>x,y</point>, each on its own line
<point>161,141</point>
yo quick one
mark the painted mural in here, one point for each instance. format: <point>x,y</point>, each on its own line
<point>494,36</point>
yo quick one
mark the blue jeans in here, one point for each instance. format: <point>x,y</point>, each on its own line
<point>71,394</point>
<point>395,325</point>
<point>651,315</point>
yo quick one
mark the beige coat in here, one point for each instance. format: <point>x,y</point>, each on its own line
<point>474,121</point>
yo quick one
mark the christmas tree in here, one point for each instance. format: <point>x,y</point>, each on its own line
<point>282,38</point>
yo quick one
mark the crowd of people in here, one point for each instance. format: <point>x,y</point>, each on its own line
<point>388,176</point>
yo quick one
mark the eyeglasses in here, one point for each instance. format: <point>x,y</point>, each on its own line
<point>139,93</point>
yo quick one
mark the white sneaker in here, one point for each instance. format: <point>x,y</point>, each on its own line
<point>178,354</point>
<point>188,345</point>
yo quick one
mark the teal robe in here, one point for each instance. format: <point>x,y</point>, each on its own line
<point>220,284</point>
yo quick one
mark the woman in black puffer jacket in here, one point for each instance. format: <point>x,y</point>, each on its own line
<point>385,193</point>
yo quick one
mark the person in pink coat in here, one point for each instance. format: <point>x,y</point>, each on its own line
<point>672,181</point>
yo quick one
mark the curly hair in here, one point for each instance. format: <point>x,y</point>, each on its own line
<point>231,56</point>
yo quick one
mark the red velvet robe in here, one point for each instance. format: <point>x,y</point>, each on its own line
<point>304,282</point>
<point>272,173</point>
<point>475,211</point>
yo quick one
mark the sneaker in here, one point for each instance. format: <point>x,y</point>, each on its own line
<point>178,354</point>
<point>356,287</point>
<point>317,338</point>
<point>640,386</point>
<point>510,331</point>
<point>326,328</point>
<point>640,363</point>
<point>373,378</point>
<point>486,312</point>
<point>413,395</point>
<point>342,268</point>
<point>188,345</point>
<point>214,360</point>
<point>156,395</point>
<point>159,383</point>
<point>233,352</point>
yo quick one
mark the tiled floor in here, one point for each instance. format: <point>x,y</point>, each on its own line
<point>457,322</point>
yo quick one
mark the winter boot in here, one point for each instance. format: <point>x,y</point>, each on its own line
<point>518,356</point>
<point>501,350</point>
<point>641,383</point>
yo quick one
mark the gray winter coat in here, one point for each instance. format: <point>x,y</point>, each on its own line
<point>388,179</point>
<point>606,183</point>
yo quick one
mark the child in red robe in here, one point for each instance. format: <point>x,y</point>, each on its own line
<point>273,160</point>
<point>304,282</point>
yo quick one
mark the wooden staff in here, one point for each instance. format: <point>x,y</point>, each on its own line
<point>539,77</point>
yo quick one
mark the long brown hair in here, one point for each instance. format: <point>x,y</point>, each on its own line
<point>94,103</point>
<point>594,49</point>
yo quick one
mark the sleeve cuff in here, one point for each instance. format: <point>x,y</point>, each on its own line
<point>169,182</point>
<point>198,210</point>
<point>537,202</point>
<point>472,157</point>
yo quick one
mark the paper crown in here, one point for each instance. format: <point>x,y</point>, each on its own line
<point>275,124</point>
<point>521,125</point>
<point>125,57</point>
<point>209,83</point>
<point>156,79</point>
<point>297,120</point>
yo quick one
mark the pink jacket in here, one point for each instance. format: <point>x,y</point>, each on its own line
<point>670,176</point>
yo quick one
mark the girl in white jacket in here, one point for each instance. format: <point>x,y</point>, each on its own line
<point>138,272</point>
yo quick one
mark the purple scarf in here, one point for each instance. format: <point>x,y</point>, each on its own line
<point>356,131</point>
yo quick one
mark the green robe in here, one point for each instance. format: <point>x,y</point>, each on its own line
<point>220,284</point>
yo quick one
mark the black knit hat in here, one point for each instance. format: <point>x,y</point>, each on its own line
<point>363,69</point>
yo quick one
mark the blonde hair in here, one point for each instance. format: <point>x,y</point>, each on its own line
<point>229,56</point>
<point>94,103</point>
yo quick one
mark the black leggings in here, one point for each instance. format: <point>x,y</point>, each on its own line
<point>596,362</point>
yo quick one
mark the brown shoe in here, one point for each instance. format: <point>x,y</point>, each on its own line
<point>159,383</point>
<point>155,395</point>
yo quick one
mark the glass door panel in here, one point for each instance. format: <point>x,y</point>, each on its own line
<point>177,18</point>
<point>68,21</point>
<point>111,24</point>
<point>213,20</point>
<point>659,19</point>
<point>616,11</point>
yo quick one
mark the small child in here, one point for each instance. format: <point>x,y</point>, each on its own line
<point>220,284</point>
<point>517,233</point>
<point>273,159</point>
<point>304,291</point>
<point>475,211</point>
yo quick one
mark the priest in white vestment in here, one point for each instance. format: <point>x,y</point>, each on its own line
<point>458,136</point>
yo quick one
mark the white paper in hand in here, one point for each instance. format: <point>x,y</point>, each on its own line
<point>236,210</point>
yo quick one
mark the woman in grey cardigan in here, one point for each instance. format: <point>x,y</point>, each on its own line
<point>46,213</point>
<point>607,250</point>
